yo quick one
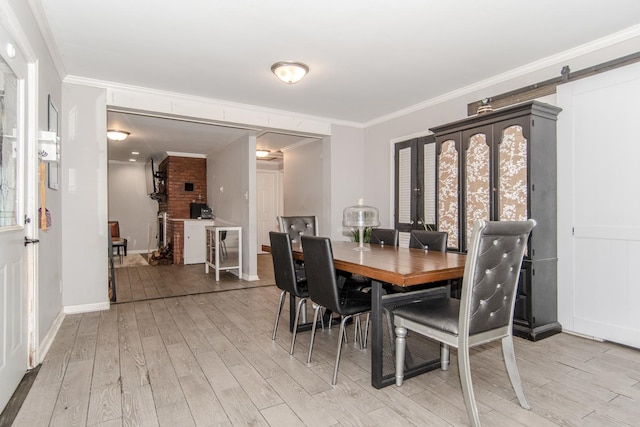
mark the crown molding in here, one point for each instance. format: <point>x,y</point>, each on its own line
<point>556,59</point>
<point>45,30</point>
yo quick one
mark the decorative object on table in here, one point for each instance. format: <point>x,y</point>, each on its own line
<point>355,235</point>
<point>360,217</point>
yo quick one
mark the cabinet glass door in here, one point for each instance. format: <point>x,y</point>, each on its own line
<point>477,180</point>
<point>448,188</point>
<point>513,174</point>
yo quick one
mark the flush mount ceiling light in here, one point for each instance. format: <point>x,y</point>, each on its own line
<point>262,153</point>
<point>117,135</point>
<point>290,72</point>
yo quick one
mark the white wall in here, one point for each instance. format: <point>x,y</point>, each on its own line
<point>131,206</point>
<point>231,194</point>
<point>348,153</point>
<point>302,182</point>
<point>84,199</point>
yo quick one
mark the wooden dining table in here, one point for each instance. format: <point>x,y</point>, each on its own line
<point>408,270</point>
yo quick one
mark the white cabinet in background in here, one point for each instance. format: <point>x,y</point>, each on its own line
<point>195,240</point>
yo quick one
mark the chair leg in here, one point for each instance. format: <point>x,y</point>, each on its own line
<point>464,366</point>
<point>275,326</point>
<point>512,370</point>
<point>301,303</point>
<point>316,309</point>
<point>400,345</point>
<point>444,356</point>
<point>358,331</point>
<point>366,330</point>
<point>342,330</point>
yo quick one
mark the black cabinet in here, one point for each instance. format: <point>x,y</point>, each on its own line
<point>501,166</point>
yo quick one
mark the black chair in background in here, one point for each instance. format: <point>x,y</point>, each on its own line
<point>384,236</point>
<point>298,226</point>
<point>483,314</point>
<point>288,279</point>
<point>324,292</point>
<point>430,240</point>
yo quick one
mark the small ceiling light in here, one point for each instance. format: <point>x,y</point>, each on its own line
<point>132,160</point>
<point>290,72</point>
<point>117,135</point>
<point>262,153</point>
<point>135,153</point>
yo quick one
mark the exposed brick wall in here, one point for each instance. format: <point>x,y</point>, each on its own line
<point>175,230</point>
<point>177,172</point>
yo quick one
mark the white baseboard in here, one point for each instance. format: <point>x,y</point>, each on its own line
<point>250,278</point>
<point>578,334</point>
<point>45,344</point>
<point>86,308</point>
<point>139,251</point>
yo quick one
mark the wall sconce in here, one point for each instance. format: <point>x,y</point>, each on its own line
<point>290,72</point>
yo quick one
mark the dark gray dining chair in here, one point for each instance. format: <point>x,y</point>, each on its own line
<point>324,292</point>
<point>298,226</point>
<point>288,279</point>
<point>430,240</point>
<point>384,236</point>
<point>483,314</point>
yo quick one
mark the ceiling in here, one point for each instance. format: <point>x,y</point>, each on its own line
<point>154,137</point>
<point>367,59</point>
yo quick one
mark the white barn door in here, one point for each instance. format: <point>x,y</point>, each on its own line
<point>599,206</point>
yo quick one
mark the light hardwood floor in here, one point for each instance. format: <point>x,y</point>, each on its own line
<point>140,283</point>
<point>208,359</point>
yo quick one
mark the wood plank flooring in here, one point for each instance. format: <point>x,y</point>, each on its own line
<point>138,283</point>
<point>208,359</point>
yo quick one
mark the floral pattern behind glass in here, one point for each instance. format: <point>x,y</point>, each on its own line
<point>478,189</point>
<point>513,175</point>
<point>448,192</point>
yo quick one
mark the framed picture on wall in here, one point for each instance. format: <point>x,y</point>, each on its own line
<point>53,173</point>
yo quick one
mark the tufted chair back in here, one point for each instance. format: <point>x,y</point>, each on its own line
<point>384,236</point>
<point>425,239</point>
<point>298,226</point>
<point>491,275</point>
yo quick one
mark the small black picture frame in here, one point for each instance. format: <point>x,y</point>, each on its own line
<point>188,186</point>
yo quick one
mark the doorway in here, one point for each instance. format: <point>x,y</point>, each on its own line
<point>153,136</point>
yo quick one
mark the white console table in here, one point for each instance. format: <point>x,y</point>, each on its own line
<point>224,248</point>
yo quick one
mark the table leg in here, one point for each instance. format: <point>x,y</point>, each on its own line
<point>376,334</point>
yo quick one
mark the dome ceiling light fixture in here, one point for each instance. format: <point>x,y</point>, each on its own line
<point>262,153</point>
<point>117,135</point>
<point>289,72</point>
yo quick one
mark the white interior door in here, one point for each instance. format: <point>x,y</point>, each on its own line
<point>268,183</point>
<point>598,221</point>
<point>14,277</point>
